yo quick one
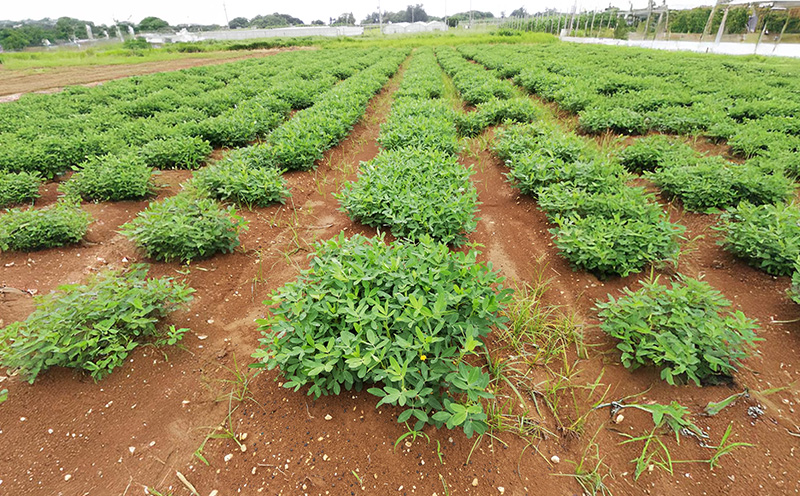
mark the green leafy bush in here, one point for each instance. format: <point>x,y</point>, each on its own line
<point>778,162</point>
<point>687,330</point>
<point>34,229</point>
<point>566,200</point>
<point>653,152</point>
<point>767,236</point>
<point>616,245</point>
<point>185,228</point>
<point>93,327</point>
<point>538,169</point>
<point>111,178</point>
<point>19,187</point>
<point>400,317</point>
<point>416,192</point>
<point>236,182</point>
<point>617,119</point>
<point>794,290</point>
<point>422,124</point>
<point>182,152</point>
<point>474,83</point>
<point>519,140</point>
<point>715,183</point>
<point>494,112</point>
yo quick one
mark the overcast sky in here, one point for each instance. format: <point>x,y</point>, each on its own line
<point>212,12</point>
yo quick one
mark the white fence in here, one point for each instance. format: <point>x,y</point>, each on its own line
<point>768,49</point>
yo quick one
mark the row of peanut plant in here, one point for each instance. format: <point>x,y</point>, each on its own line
<point>688,330</point>
<point>94,326</point>
<point>603,225</point>
<point>749,104</point>
<point>123,176</point>
<point>400,317</point>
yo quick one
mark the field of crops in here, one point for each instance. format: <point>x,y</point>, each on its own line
<point>482,269</point>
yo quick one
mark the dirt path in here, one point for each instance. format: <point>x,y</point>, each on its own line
<point>14,84</point>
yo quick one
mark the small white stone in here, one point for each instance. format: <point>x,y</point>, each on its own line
<point>67,477</point>
<point>228,457</point>
<point>23,419</point>
<point>213,493</point>
<point>619,419</point>
<point>501,489</point>
<point>131,449</point>
<point>328,417</point>
<point>475,482</point>
<point>243,448</point>
<point>555,459</point>
<point>202,337</point>
<point>49,431</point>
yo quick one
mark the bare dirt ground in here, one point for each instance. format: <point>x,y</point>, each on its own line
<point>66,435</point>
<point>14,84</point>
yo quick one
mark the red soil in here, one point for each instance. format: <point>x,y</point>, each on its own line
<point>144,422</point>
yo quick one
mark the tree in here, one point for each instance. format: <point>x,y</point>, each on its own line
<point>153,24</point>
<point>238,22</point>
<point>317,23</point>
<point>13,39</point>
<point>67,28</point>
<point>520,12</point>
<point>454,19</point>
<point>274,20</point>
<point>346,19</point>
<point>374,18</point>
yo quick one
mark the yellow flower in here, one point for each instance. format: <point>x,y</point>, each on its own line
<point>423,357</point>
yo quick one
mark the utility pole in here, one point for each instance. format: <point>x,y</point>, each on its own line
<point>380,16</point>
<point>227,22</point>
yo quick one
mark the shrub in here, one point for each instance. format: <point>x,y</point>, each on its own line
<point>565,200</point>
<point>20,187</point>
<point>715,183</point>
<point>236,182</point>
<point>416,193</point>
<point>93,327</point>
<point>617,119</point>
<point>111,178</point>
<point>532,172</point>
<point>767,236</point>
<point>34,229</point>
<point>615,245</point>
<point>185,228</point>
<point>512,110</point>
<point>794,290</point>
<point>519,140</point>
<point>400,317</point>
<point>181,152</point>
<point>653,152</point>
<point>421,124</point>
<point>778,162</point>
<point>686,330</point>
